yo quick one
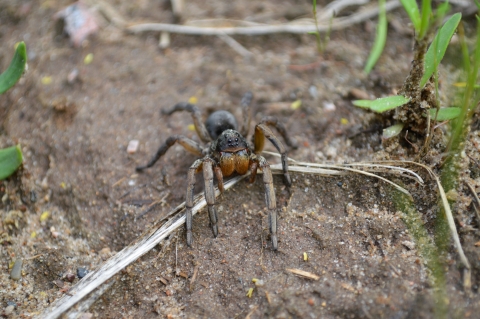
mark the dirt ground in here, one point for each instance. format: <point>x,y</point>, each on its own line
<point>77,199</point>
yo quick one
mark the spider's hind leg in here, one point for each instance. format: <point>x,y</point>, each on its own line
<point>187,143</point>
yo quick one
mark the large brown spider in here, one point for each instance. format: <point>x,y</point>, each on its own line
<point>227,151</point>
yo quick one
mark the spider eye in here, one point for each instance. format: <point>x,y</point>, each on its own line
<point>236,140</point>
<point>229,141</point>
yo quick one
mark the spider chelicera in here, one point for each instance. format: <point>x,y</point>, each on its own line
<point>227,151</point>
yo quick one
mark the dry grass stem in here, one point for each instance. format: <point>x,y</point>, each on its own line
<point>302,273</point>
<point>300,26</point>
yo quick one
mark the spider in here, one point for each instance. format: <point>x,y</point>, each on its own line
<point>228,151</point>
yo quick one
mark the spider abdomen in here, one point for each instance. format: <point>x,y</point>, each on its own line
<point>234,162</point>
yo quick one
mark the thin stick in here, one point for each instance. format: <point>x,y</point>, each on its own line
<point>299,26</point>
<point>237,47</point>
<point>335,7</point>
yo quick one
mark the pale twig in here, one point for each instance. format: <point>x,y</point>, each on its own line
<point>297,26</point>
<point>240,49</point>
<point>85,304</point>
<point>335,7</point>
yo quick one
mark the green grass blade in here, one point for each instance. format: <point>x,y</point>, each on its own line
<point>15,69</point>
<point>445,114</point>
<point>10,159</point>
<point>380,39</point>
<point>382,104</point>
<point>425,19</point>
<point>437,49</point>
<point>411,8</point>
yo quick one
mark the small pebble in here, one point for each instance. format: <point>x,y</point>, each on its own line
<point>70,277</point>
<point>313,91</point>
<point>81,272</point>
<point>16,272</point>
<point>12,303</point>
<point>359,94</point>
<point>132,146</point>
<point>329,107</point>
<point>9,310</point>
<point>72,76</point>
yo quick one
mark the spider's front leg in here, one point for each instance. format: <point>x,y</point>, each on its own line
<point>196,116</point>
<point>262,131</point>
<point>189,198</point>
<point>270,199</point>
<point>208,164</point>
<point>187,143</point>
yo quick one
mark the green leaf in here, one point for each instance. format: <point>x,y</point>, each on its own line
<point>392,131</point>
<point>383,104</point>
<point>15,69</point>
<point>411,8</point>
<point>445,114</point>
<point>437,49</point>
<point>10,159</point>
<point>380,39</point>
<point>425,19</point>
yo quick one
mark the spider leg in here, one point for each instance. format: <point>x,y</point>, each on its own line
<point>196,166</point>
<point>270,199</point>
<point>187,143</point>
<point>218,174</point>
<point>273,121</point>
<point>197,118</point>
<point>210,193</point>
<point>245,103</point>
<point>262,131</point>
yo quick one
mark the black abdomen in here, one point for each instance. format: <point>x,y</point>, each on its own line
<point>220,121</point>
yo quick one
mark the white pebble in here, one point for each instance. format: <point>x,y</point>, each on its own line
<point>132,146</point>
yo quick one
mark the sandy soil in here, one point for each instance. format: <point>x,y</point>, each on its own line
<point>75,202</point>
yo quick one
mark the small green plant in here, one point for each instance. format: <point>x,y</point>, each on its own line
<point>383,104</point>
<point>321,44</point>
<point>431,59</point>
<point>11,158</point>
<point>380,39</point>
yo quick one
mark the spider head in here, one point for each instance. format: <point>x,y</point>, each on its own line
<point>230,141</point>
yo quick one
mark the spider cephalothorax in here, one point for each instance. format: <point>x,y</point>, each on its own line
<point>228,152</point>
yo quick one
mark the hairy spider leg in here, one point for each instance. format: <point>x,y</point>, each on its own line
<point>273,121</point>
<point>196,166</point>
<point>208,164</point>
<point>270,199</point>
<point>262,131</point>
<point>187,143</point>
<point>245,103</point>
<point>197,118</point>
